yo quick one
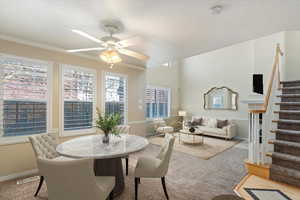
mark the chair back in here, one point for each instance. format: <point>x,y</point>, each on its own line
<point>165,154</point>
<point>123,129</point>
<point>72,179</point>
<point>44,145</point>
<point>159,123</point>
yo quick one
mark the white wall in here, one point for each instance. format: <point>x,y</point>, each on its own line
<point>232,67</point>
<point>292,45</point>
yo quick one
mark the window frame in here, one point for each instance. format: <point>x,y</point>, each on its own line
<point>68,133</point>
<point>49,127</point>
<point>169,102</point>
<point>103,93</point>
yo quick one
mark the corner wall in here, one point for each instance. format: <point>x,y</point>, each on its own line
<point>17,158</point>
<point>232,67</point>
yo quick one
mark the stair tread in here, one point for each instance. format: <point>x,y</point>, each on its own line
<point>285,143</point>
<point>288,111</point>
<point>287,103</point>
<point>284,156</point>
<point>287,121</point>
<point>295,174</point>
<point>294,81</point>
<point>289,95</point>
<point>287,131</point>
<point>290,88</point>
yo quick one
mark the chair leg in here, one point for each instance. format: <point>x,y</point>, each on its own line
<point>164,186</point>
<point>39,186</point>
<point>136,183</point>
<point>111,195</point>
<point>127,158</point>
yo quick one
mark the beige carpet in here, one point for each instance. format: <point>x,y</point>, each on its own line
<point>210,148</point>
<point>188,178</point>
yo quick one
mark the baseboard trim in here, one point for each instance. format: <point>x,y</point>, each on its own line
<point>18,175</point>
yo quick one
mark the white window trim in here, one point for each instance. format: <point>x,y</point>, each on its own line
<point>24,138</point>
<point>62,132</point>
<point>169,102</point>
<point>103,93</point>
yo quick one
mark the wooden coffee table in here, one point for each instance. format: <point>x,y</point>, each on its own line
<point>188,133</point>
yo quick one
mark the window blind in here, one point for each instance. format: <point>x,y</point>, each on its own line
<point>157,102</point>
<point>115,95</point>
<point>78,97</point>
<point>23,97</point>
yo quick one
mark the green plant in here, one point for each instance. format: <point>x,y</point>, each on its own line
<point>108,122</point>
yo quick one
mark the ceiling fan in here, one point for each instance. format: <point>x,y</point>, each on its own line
<point>110,46</point>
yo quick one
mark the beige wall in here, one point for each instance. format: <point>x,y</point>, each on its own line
<point>167,77</point>
<point>17,158</point>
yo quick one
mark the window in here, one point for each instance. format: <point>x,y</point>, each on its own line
<point>24,96</point>
<point>78,98</point>
<point>116,95</point>
<point>157,102</point>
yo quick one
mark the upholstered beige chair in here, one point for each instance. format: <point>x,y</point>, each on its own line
<point>155,167</point>
<point>124,129</point>
<point>75,180</point>
<point>161,127</point>
<point>44,146</point>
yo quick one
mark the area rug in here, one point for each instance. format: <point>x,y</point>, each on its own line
<point>210,148</point>
<point>188,178</point>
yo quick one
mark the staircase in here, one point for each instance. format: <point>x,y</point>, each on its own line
<point>286,156</point>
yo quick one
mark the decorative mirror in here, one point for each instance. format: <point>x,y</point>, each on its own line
<point>221,98</point>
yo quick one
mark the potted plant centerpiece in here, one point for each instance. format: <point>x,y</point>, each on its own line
<point>107,123</point>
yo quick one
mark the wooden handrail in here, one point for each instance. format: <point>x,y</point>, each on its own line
<point>271,81</point>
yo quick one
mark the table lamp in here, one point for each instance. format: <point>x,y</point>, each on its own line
<point>182,114</point>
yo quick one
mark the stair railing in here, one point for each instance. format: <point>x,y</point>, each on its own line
<point>257,130</point>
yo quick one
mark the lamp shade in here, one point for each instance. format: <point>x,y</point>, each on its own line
<point>110,56</point>
<point>182,113</point>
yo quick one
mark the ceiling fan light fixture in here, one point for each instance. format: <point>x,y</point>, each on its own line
<point>110,56</point>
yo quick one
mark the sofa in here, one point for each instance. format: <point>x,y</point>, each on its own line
<point>223,128</point>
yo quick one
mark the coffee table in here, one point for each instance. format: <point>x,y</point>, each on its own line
<point>196,133</point>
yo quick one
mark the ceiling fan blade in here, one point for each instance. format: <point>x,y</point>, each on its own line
<point>84,34</point>
<point>134,54</point>
<point>133,41</point>
<point>87,49</point>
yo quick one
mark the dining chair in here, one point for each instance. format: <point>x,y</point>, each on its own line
<point>155,167</point>
<point>44,146</point>
<point>75,179</point>
<point>124,129</point>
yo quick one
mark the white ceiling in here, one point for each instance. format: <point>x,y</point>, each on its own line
<point>169,29</point>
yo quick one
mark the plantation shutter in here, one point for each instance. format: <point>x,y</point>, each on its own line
<point>115,95</point>
<point>23,96</point>
<point>79,98</point>
<point>157,102</point>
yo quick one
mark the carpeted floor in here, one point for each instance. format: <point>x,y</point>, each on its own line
<point>211,146</point>
<point>189,178</point>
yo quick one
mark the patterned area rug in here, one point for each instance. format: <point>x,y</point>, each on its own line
<point>188,178</point>
<point>210,148</point>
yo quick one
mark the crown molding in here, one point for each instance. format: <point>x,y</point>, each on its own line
<point>56,49</point>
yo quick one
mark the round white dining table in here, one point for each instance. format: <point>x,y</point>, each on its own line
<point>107,157</point>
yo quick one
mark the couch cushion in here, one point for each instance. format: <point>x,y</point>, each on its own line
<point>212,123</point>
<point>212,130</point>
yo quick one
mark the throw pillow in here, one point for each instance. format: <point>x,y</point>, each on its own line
<point>197,122</point>
<point>222,123</point>
<point>212,123</point>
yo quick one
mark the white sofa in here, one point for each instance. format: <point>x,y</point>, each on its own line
<point>209,127</point>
